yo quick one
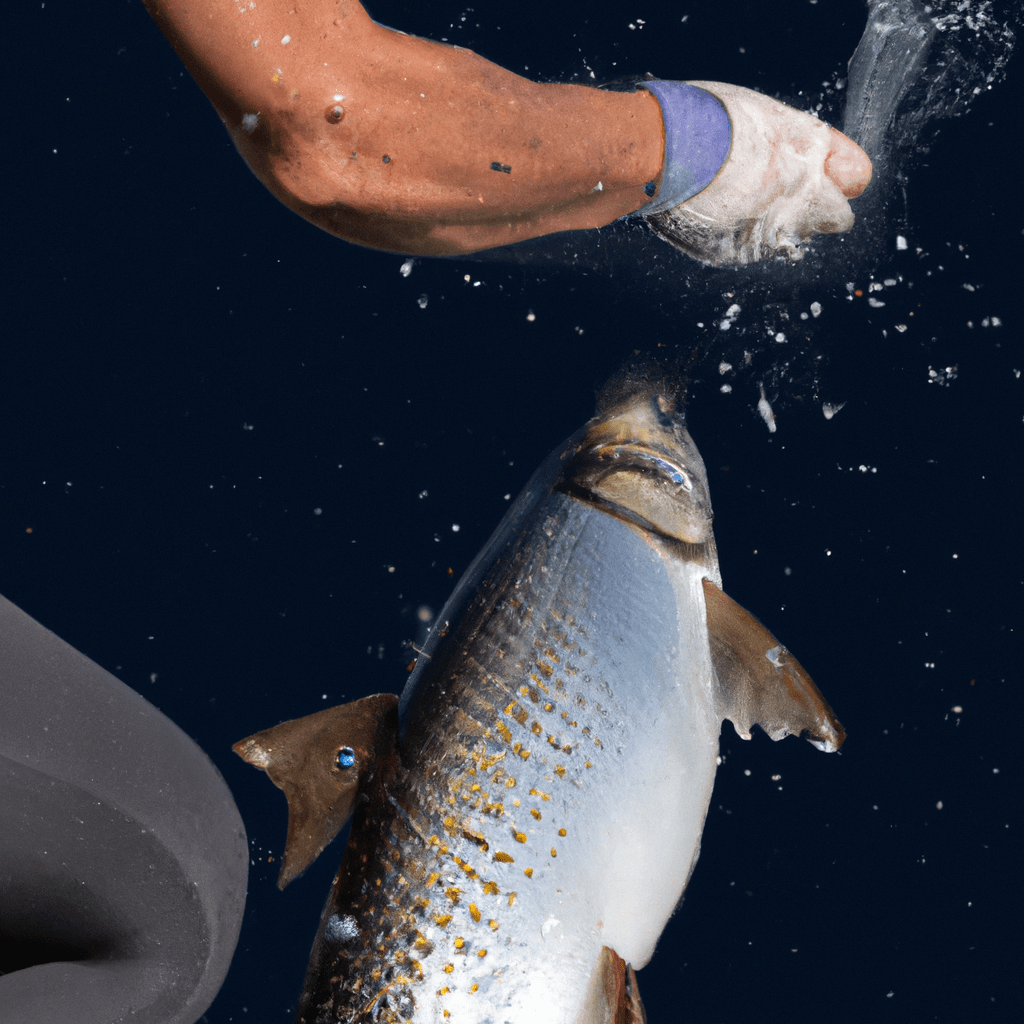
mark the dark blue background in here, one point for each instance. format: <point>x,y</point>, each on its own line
<point>190,372</point>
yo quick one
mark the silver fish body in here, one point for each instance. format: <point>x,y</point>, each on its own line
<point>556,752</point>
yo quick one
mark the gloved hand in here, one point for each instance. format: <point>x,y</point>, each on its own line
<point>746,177</point>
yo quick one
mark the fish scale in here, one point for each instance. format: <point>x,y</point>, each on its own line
<point>499,863</point>
<point>528,815</point>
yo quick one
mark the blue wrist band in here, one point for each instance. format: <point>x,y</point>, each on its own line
<point>697,139</point>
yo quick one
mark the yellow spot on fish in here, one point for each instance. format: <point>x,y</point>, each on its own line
<point>561,831</point>
<point>460,942</point>
<point>510,782</point>
<point>536,729</point>
<point>504,732</point>
<point>480,953</point>
<point>444,991</point>
<point>453,894</point>
<point>504,858</point>
<point>448,968</point>
<point>519,837</point>
<point>524,754</point>
<point>528,872</point>
<point>511,898</point>
<point>554,852</point>
<point>493,924</point>
<point>540,793</point>
<point>560,771</point>
<point>474,912</point>
<point>549,707</point>
<point>473,987</point>
<point>535,813</point>
<point>491,888</point>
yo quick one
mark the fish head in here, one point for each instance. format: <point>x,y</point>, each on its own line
<point>636,460</point>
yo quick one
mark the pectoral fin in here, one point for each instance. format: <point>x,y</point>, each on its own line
<point>760,682</point>
<point>322,762</point>
<point>612,995</point>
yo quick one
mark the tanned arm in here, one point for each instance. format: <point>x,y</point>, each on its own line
<point>404,144</point>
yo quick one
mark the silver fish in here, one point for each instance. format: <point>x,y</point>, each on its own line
<point>527,818</point>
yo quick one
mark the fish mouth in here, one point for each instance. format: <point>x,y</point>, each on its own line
<point>599,462</point>
<point>645,484</point>
<point>650,461</point>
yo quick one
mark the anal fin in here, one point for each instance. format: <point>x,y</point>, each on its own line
<point>760,682</point>
<point>613,996</point>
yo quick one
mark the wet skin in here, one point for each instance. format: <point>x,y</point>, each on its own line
<point>405,159</point>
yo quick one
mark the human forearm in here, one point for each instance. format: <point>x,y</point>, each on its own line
<point>437,150</point>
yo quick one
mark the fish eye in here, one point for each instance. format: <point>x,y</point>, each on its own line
<point>677,476</point>
<point>669,470</point>
<point>346,758</point>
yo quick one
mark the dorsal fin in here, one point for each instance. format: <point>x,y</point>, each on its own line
<point>322,762</point>
<point>760,682</point>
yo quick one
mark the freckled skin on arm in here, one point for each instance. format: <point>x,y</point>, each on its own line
<point>441,116</point>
